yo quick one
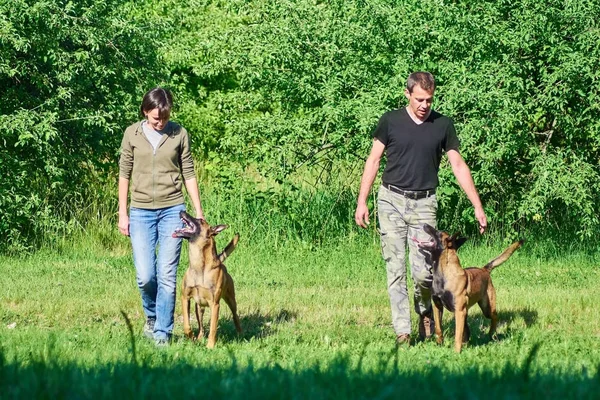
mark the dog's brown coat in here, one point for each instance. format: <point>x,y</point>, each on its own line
<point>206,280</point>
<point>458,289</point>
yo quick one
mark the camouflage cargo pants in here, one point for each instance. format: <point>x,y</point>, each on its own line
<point>401,219</point>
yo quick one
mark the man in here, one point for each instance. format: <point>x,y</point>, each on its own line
<point>413,139</point>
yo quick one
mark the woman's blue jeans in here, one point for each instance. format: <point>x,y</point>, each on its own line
<point>156,269</point>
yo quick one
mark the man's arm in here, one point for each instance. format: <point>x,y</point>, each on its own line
<point>465,180</point>
<point>361,216</point>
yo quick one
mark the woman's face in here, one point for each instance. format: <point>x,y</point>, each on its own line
<point>155,121</point>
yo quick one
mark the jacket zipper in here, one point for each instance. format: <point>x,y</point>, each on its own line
<point>153,180</point>
<point>153,166</point>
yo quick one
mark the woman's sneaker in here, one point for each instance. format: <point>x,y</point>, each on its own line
<point>149,328</point>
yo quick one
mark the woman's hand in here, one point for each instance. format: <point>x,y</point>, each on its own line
<point>124,224</point>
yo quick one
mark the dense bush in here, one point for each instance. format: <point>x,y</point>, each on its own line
<point>293,86</point>
<point>281,97</point>
<point>71,75</point>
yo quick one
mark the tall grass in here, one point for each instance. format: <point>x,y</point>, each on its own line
<point>307,215</point>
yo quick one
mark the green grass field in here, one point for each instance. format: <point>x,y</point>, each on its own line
<point>316,325</point>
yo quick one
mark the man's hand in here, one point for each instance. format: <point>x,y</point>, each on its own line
<point>361,216</point>
<point>465,180</point>
<point>482,219</point>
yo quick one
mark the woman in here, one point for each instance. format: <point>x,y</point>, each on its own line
<point>155,155</point>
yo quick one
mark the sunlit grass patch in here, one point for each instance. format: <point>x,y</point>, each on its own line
<point>315,320</point>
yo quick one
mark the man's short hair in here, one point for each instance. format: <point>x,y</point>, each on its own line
<point>421,78</point>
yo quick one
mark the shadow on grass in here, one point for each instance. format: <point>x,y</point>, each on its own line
<point>254,324</point>
<point>528,315</point>
<point>41,377</point>
<point>480,325</point>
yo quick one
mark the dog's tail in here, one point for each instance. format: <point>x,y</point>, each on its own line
<point>504,256</point>
<point>229,248</point>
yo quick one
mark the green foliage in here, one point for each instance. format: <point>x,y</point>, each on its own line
<point>71,74</point>
<point>280,214</point>
<point>288,87</point>
<point>281,97</point>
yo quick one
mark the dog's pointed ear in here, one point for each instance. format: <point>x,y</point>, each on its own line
<point>455,236</point>
<point>459,242</point>
<point>215,230</point>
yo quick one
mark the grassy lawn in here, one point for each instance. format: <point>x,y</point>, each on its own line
<point>316,324</point>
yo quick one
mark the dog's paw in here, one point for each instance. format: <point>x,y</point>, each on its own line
<point>189,334</point>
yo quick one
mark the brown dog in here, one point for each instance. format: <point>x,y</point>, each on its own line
<point>456,288</point>
<point>206,280</point>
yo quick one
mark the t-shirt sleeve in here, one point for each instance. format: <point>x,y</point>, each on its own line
<point>381,131</point>
<point>451,142</point>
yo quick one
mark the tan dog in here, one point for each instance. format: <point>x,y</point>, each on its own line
<point>456,288</point>
<point>206,280</point>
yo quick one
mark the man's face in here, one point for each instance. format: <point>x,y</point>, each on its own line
<point>419,101</point>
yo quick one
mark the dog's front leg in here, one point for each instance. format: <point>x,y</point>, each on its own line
<point>460,318</point>
<point>467,330</point>
<point>185,302</point>
<point>200,318</point>
<point>214,320</point>
<point>437,317</point>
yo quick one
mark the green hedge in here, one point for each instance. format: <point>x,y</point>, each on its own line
<point>71,75</point>
<point>281,98</point>
<point>294,88</point>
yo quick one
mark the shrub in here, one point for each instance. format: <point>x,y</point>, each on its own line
<point>71,73</point>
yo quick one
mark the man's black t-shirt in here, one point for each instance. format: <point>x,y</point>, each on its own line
<point>414,151</point>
